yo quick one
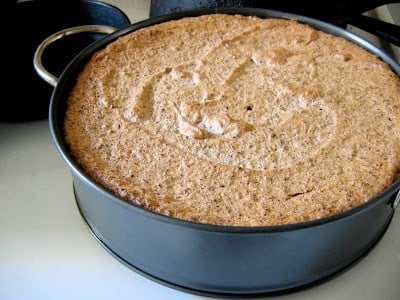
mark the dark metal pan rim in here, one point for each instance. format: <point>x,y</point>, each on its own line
<point>230,294</point>
<point>75,64</point>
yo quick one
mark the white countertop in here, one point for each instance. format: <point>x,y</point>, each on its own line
<point>47,252</point>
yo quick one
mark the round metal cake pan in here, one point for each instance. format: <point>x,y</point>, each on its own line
<point>222,260</point>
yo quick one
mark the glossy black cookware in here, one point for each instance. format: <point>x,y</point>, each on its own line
<point>222,260</point>
<point>30,23</point>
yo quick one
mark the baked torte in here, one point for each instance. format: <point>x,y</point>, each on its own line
<point>237,120</point>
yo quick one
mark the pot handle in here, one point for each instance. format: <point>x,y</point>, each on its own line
<point>37,58</point>
<point>396,201</point>
<point>387,31</point>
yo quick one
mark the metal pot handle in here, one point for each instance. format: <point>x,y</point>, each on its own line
<point>37,58</point>
<point>396,201</point>
<point>387,31</point>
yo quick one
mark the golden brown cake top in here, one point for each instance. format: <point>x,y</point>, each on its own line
<point>234,120</point>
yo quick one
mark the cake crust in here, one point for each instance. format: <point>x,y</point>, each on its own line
<point>234,120</point>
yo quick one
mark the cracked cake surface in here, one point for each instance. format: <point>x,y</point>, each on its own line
<point>234,120</point>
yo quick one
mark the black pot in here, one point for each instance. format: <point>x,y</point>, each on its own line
<point>222,260</point>
<point>33,21</point>
<point>338,12</point>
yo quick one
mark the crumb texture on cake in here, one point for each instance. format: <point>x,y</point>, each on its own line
<point>233,120</point>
